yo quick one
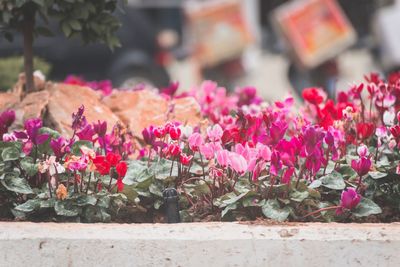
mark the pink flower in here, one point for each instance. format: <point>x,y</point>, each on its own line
<point>173,150</point>
<point>362,150</point>
<point>277,132</point>
<point>361,166</point>
<point>264,152</point>
<point>208,150</point>
<point>237,162</point>
<point>195,141</point>
<point>276,163</point>
<point>223,157</point>
<point>349,200</point>
<point>215,133</point>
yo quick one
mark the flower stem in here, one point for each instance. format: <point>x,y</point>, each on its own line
<point>320,210</point>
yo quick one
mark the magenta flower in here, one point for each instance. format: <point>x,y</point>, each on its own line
<point>277,132</point>
<point>276,163</point>
<point>100,128</point>
<point>78,119</point>
<point>86,133</point>
<point>60,147</point>
<point>349,200</point>
<point>175,133</point>
<point>361,166</point>
<point>148,135</point>
<point>6,119</point>
<point>287,175</point>
<point>32,127</point>
<point>312,139</point>
<point>248,95</point>
<point>170,90</point>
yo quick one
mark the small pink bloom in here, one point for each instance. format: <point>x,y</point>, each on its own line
<point>159,132</point>
<point>237,162</point>
<point>215,133</point>
<point>195,141</point>
<point>287,176</point>
<point>361,166</point>
<point>349,200</point>
<point>362,150</point>
<point>223,157</point>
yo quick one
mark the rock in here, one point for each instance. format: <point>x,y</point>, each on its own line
<point>34,104</point>
<point>8,101</point>
<point>140,109</point>
<point>66,99</point>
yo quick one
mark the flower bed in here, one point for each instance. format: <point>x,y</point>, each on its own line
<point>328,161</point>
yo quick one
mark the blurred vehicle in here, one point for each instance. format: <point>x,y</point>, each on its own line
<point>139,59</point>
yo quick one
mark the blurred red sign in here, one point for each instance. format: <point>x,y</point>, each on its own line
<point>316,30</point>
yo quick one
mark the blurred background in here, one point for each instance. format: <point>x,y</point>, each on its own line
<point>277,46</point>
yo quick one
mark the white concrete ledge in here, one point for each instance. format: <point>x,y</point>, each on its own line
<point>199,244</point>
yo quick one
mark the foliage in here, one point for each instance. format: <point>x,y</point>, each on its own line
<point>330,161</point>
<point>11,67</point>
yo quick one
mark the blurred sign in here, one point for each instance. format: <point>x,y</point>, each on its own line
<point>317,30</point>
<point>218,31</point>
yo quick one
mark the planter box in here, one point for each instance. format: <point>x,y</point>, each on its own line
<point>199,244</point>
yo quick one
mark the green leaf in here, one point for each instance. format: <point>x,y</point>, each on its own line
<point>16,184</point>
<point>76,147</point>
<point>86,200</point>
<point>47,203</point>
<point>298,196</point>
<point>315,184</point>
<point>377,175</point>
<point>366,207</point>
<point>10,153</point>
<point>29,206</point>
<point>272,210</point>
<point>228,208</point>
<point>29,166</point>
<point>66,29</point>
<point>333,180</point>
<point>75,25</point>
<point>66,208</point>
<point>53,133</point>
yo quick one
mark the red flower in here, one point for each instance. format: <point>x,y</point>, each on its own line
<point>120,185</point>
<point>102,166</point>
<point>175,133</point>
<point>159,132</point>
<point>185,159</point>
<point>121,169</point>
<point>365,130</point>
<point>313,95</point>
<point>113,159</point>
<point>173,150</point>
<point>395,130</point>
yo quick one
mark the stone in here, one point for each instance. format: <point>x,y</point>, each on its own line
<point>8,100</point>
<point>34,104</point>
<point>140,109</point>
<point>65,99</point>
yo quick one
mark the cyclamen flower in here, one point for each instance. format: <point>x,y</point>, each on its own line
<point>362,151</point>
<point>159,132</point>
<point>349,200</point>
<point>121,169</point>
<point>102,165</point>
<point>215,133</point>
<point>148,135</point>
<point>60,147</point>
<point>314,95</point>
<point>100,128</point>
<point>365,130</point>
<point>237,162</point>
<point>86,133</point>
<point>223,157</point>
<point>78,119</point>
<point>185,159</point>
<point>276,163</point>
<point>173,150</point>
<point>74,163</point>
<point>175,133</point>
<point>7,118</point>
<point>361,166</point>
<point>113,159</point>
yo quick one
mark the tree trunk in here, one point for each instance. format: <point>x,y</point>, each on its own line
<point>27,31</point>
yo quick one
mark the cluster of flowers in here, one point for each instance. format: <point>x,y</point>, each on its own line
<point>261,140</point>
<point>97,153</point>
<point>104,86</point>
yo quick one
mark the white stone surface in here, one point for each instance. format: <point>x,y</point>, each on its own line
<point>199,244</point>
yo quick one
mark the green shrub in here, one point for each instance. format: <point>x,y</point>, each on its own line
<point>11,67</point>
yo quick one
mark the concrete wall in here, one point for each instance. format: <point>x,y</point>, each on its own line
<point>199,244</point>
